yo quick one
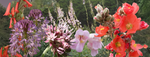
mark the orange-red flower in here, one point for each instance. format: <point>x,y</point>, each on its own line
<point>143,25</point>
<point>16,8</point>
<point>7,10</point>
<point>130,24</point>
<point>101,31</point>
<point>128,9</point>
<point>136,47</point>
<point>118,44</point>
<point>12,12</point>
<point>120,54</point>
<point>133,54</point>
<point>29,4</point>
<point>10,24</point>
<point>145,46</point>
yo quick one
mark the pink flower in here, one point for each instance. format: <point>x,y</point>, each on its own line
<point>80,39</point>
<point>94,44</point>
<point>143,25</point>
<point>111,55</point>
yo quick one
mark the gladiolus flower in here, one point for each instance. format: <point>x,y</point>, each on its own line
<point>128,9</point>
<point>145,46</point>
<point>130,24</point>
<point>101,30</point>
<point>118,44</point>
<point>94,44</point>
<point>143,25</point>
<point>16,8</point>
<point>136,47</point>
<point>29,4</point>
<point>7,10</point>
<point>80,39</point>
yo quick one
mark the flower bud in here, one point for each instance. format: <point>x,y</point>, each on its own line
<point>108,18</point>
<point>106,11</point>
<point>98,8</point>
<point>143,25</point>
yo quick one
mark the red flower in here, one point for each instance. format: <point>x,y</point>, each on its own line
<point>101,31</point>
<point>143,25</point>
<point>108,47</point>
<point>130,24</point>
<point>7,10</point>
<point>12,12</point>
<point>10,24</point>
<point>145,46</point>
<point>133,54</point>
<point>16,8</point>
<point>118,18</point>
<point>29,4</point>
<point>136,47</point>
<point>116,32</point>
<point>128,9</point>
<point>118,44</point>
<point>120,54</point>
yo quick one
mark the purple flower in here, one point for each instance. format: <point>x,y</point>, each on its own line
<point>36,14</point>
<point>94,44</point>
<point>80,39</point>
<point>25,37</point>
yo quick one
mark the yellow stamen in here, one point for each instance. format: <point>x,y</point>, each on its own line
<point>81,41</point>
<point>118,20</point>
<point>128,7</point>
<point>102,29</point>
<point>117,44</point>
<point>129,26</point>
<point>118,54</point>
<point>134,45</point>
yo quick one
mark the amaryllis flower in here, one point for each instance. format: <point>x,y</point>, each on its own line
<point>128,9</point>
<point>29,4</point>
<point>94,44</point>
<point>7,10</point>
<point>118,44</point>
<point>143,25</point>
<point>26,37</point>
<point>136,47</point>
<point>80,39</point>
<point>130,24</point>
<point>101,30</point>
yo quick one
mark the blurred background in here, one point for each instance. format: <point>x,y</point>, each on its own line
<point>83,9</point>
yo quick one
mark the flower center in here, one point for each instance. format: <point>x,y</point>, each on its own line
<point>129,26</point>
<point>118,54</point>
<point>134,45</point>
<point>117,44</point>
<point>102,29</point>
<point>128,7</point>
<point>118,20</point>
<point>80,38</point>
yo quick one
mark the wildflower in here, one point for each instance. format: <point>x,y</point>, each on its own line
<point>101,30</point>
<point>130,24</point>
<point>128,9</point>
<point>7,10</point>
<point>143,25</point>
<point>94,44</point>
<point>16,8</point>
<point>108,47</point>
<point>136,47</point>
<point>29,4</point>
<point>145,46</point>
<point>133,54</point>
<point>120,54</point>
<point>118,44</point>
<point>111,55</point>
<point>81,38</point>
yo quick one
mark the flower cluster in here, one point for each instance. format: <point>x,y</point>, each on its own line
<point>24,37</point>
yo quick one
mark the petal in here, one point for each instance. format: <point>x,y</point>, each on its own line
<point>1,52</point>
<point>145,46</point>
<point>86,33</point>
<point>80,47</point>
<point>96,44</point>
<point>140,53</point>
<point>94,52</point>
<point>73,44</point>
<point>46,41</point>
<point>136,8</point>
<point>139,46</point>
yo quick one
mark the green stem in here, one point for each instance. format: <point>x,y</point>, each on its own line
<point>45,51</point>
<point>86,14</point>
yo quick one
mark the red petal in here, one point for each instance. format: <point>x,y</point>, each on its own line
<point>1,52</point>
<point>29,4</point>
<point>16,8</point>
<point>10,26</point>
<point>14,20</point>
<point>145,46</point>
<point>7,10</point>
<point>139,46</point>
<point>136,8</point>
<point>12,12</point>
